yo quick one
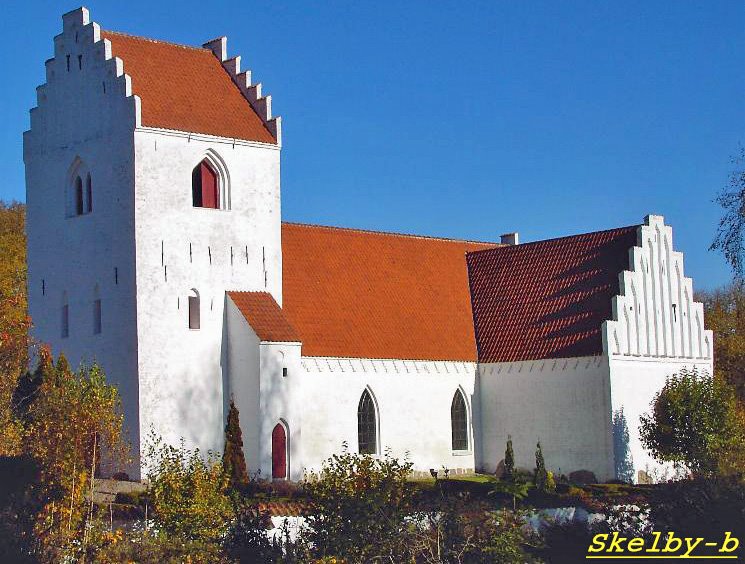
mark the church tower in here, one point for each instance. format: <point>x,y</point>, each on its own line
<point>153,187</point>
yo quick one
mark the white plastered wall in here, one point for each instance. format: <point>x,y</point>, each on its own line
<point>84,123</point>
<point>182,249</point>
<point>413,400</point>
<point>657,330</point>
<point>263,395</point>
<point>564,403</point>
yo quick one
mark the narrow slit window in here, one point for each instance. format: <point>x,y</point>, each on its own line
<point>78,196</point>
<point>97,316</point>
<point>194,314</point>
<point>88,194</point>
<point>65,329</point>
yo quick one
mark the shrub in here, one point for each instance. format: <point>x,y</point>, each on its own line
<point>358,506</point>
<point>540,477</point>
<point>188,492</point>
<point>233,460</point>
<point>509,461</point>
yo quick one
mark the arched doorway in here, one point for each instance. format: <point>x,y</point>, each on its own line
<point>279,452</point>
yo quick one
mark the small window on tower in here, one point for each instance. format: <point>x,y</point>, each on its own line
<point>78,196</point>
<point>65,317</point>
<point>88,194</point>
<point>96,316</point>
<point>205,186</point>
<point>194,321</point>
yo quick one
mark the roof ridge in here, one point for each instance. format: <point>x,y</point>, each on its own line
<point>552,239</point>
<point>392,233</point>
<point>151,40</point>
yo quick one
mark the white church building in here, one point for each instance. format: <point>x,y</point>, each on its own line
<point>156,248</point>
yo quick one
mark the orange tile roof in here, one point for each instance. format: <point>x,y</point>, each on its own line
<point>362,294</point>
<point>547,299</point>
<point>265,316</point>
<point>186,89</point>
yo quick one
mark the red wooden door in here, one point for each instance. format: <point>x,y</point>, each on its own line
<point>279,452</point>
<point>210,192</point>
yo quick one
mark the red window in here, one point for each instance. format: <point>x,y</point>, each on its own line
<point>205,188</point>
<point>279,452</point>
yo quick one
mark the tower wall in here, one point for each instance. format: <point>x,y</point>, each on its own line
<point>183,250</point>
<point>83,124</point>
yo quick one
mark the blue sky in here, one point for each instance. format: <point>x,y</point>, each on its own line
<point>463,119</point>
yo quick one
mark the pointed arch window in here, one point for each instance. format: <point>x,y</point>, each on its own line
<point>459,422</point>
<point>367,425</point>
<point>205,186</point>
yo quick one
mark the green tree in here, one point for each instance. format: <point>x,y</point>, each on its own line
<point>730,237</point>
<point>541,475</point>
<point>724,310</point>
<point>358,507</point>
<point>188,492</point>
<point>509,461</point>
<point>233,460</point>
<point>695,422</point>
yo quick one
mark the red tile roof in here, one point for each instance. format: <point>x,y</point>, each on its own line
<point>547,299</point>
<point>362,294</point>
<point>265,316</point>
<point>186,89</point>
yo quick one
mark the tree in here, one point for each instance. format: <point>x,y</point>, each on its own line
<point>730,237</point>
<point>70,420</point>
<point>725,315</point>
<point>358,507</point>
<point>188,492</point>
<point>14,320</point>
<point>509,461</point>
<point>233,460</point>
<point>541,475</point>
<point>695,422</point>
<point>621,451</point>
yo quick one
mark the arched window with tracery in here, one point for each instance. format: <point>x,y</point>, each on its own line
<point>367,424</point>
<point>459,422</point>
<point>205,186</point>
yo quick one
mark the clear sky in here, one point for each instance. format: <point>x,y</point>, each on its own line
<point>462,119</point>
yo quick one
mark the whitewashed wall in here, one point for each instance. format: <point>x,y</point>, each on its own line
<point>564,403</point>
<point>657,329</point>
<point>180,248</point>
<point>263,396</point>
<point>85,116</point>
<point>413,400</point>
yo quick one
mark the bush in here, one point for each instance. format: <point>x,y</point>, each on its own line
<point>188,493</point>
<point>358,507</point>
